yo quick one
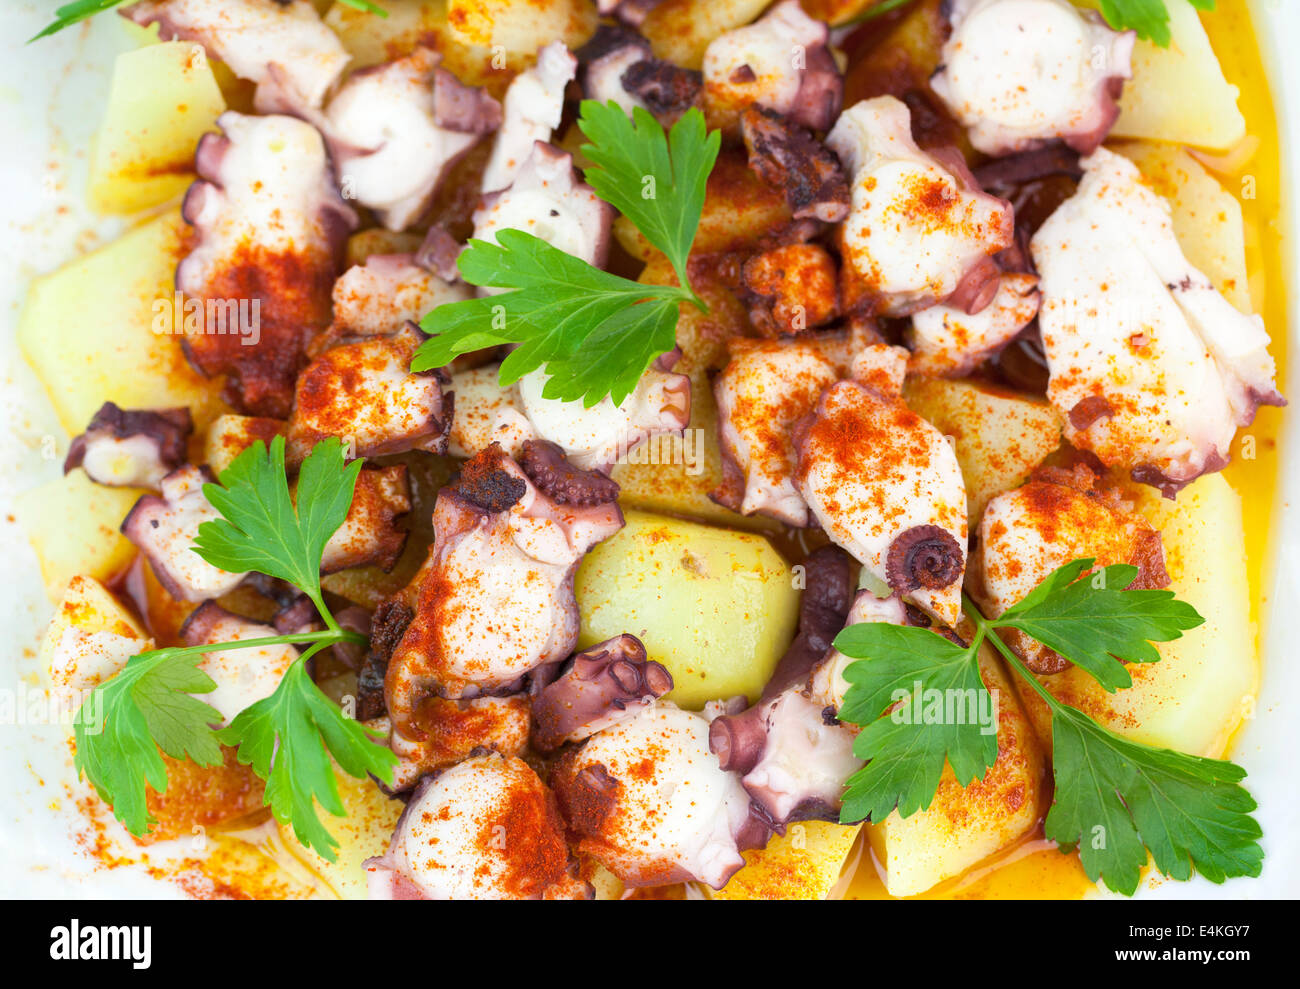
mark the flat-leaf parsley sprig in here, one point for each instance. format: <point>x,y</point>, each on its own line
<point>286,738</point>
<point>80,10</point>
<point>594,332</point>
<point>1115,800</point>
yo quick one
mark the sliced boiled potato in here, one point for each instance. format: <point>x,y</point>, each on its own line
<point>72,523</point>
<point>362,834</point>
<point>163,98</point>
<point>378,240</point>
<point>231,434</point>
<point>999,436</point>
<point>680,30</point>
<point>965,825</point>
<point>90,330</point>
<point>717,608</point>
<point>1179,93</point>
<point>1196,696</point>
<point>803,864</point>
<point>1207,218</point>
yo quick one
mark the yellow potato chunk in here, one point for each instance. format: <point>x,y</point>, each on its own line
<point>680,30</point>
<point>163,98</point>
<point>717,608</point>
<point>999,436</point>
<point>520,27</point>
<point>1196,696</point>
<point>1179,93</point>
<point>72,523</point>
<point>965,825</point>
<point>1206,217</point>
<point>803,864</point>
<point>362,834</point>
<point>88,330</point>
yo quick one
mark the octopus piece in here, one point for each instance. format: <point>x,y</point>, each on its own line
<point>651,803</point>
<point>792,759</point>
<point>397,129</point>
<point>439,253</point>
<point>794,288</point>
<point>827,685</point>
<point>619,66</point>
<point>824,608</point>
<point>885,484</point>
<point>1153,368</point>
<point>377,297</point>
<point>495,600</point>
<point>370,535</point>
<point>533,106</point>
<point>1021,73</point>
<point>781,62</point>
<point>592,439</point>
<point>366,393</point>
<point>281,45</point>
<point>163,527</point>
<point>300,615</point>
<point>601,686</point>
<point>920,230</point>
<point>948,342</point>
<point>270,232</point>
<point>387,626</point>
<point>134,448</point>
<point>456,730</point>
<point>486,829</point>
<point>547,200</point>
<point>243,676</point>
<point>790,158</point>
<point>767,387</point>
<point>1057,517</point>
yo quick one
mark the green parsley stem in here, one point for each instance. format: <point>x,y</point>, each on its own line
<point>322,638</point>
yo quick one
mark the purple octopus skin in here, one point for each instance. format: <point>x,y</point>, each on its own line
<point>273,279</point>
<point>601,686</point>
<point>786,155</point>
<point>149,442</point>
<point>823,609</point>
<point>439,252</point>
<point>545,464</point>
<point>631,12</point>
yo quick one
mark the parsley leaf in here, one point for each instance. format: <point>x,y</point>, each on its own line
<point>284,739</point>
<point>1115,799</point>
<point>656,183</point>
<point>127,719</point>
<point>1095,622</point>
<point>80,10</point>
<point>1149,18</point>
<point>261,529</point>
<point>907,667</point>
<point>595,333</point>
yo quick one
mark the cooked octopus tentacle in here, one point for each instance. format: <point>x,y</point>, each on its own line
<point>600,686</point>
<point>533,106</point>
<point>886,485</point>
<point>920,230</point>
<point>243,676</point>
<point>1153,368</point>
<point>1021,74</point>
<point>133,448</point>
<point>370,535</point>
<point>485,829</point>
<point>366,393</point>
<point>382,294</point>
<point>270,230</point>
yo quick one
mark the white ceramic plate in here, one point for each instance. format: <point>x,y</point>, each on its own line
<point>51,99</point>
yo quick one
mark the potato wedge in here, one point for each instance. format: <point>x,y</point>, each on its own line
<point>999,436</point>
<point>1179,93</point>
<point>716,607</point>
<point>966,825</point>
<point>72,523</point>
<point>680,30</point>
<point>803,864</point>
<point>1196,696</point>
<point>88,330</point>
<point>520,27</point>
<point>163,98</point>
